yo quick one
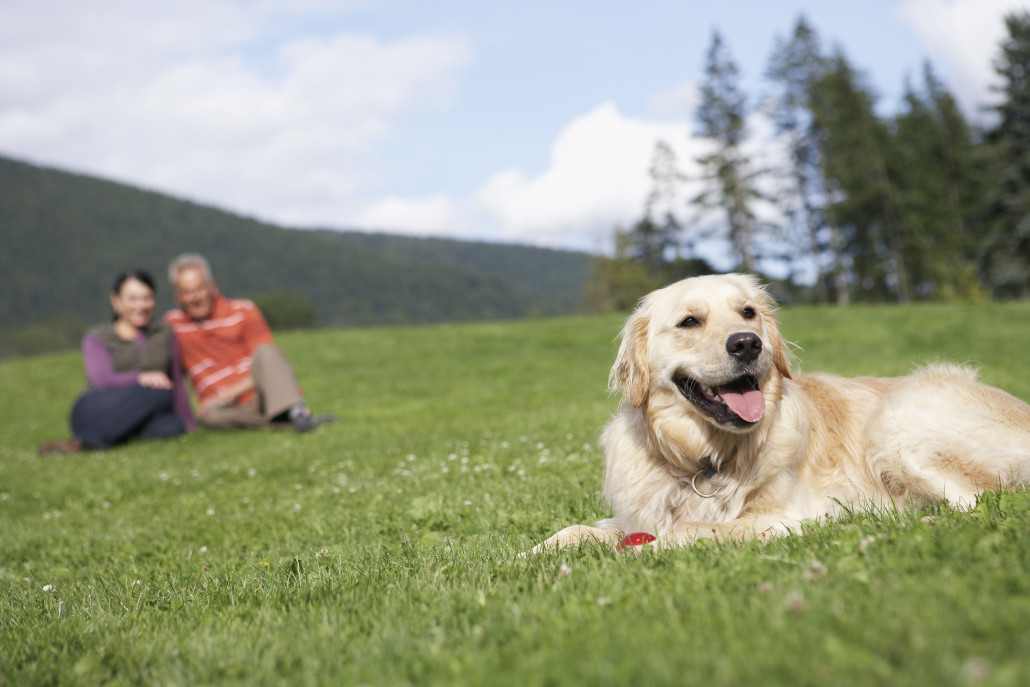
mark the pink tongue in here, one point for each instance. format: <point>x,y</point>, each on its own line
<point>750,405</point>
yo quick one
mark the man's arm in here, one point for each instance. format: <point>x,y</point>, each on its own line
<point>227,395</point>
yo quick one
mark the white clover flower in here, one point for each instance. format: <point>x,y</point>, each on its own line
<point>794,603</point>
<point>48,587</point>
<point>815,570</point>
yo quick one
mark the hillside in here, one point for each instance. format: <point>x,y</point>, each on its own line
<point>64,236</point>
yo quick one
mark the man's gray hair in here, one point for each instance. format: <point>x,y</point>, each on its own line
<point>189,261</point>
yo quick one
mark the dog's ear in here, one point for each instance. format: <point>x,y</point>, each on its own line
<point>781,354</point>
<point>630,373</point>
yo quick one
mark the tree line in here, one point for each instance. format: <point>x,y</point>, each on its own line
<point>920,205</point>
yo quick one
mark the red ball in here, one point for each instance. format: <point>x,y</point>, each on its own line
<point>636,539</point>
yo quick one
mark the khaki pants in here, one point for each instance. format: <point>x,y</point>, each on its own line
<point>276,391</point>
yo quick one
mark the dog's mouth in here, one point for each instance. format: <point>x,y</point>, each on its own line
<point>739,403</point>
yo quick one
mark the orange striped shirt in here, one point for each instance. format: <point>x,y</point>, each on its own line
<point>217,352</point>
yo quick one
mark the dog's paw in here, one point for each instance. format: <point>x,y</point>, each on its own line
<point>576,534</point>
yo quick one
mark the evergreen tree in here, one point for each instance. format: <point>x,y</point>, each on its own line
<point>794,67</point>
<point>1006,250</point>
<point>937,179</point>
<point>860,193</point>
<point>729,184</point>
<point>656,237</point>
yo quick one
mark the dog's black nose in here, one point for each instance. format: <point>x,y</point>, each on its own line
<point>744,346</point>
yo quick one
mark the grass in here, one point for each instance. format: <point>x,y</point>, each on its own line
<point>382,550</point>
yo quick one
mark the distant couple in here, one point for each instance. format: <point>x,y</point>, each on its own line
<point>134,365</point>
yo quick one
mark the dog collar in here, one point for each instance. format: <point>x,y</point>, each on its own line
<point>709,473</point>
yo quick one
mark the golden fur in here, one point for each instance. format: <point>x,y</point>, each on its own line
<point>822,443</point>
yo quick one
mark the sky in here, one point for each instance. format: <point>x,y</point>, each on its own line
<point>532,122</point>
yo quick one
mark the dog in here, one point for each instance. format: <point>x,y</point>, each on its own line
<point>717,438</point>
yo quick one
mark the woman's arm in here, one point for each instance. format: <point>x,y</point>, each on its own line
<point>100,366</point>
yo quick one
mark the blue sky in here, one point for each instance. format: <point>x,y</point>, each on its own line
<point>530,122</point>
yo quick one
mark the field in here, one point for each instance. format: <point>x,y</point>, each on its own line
<point>383,550</point>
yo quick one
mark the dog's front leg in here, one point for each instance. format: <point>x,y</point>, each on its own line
<point>579,534</point>
<point>741,529</point>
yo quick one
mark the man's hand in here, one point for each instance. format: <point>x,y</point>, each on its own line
<point>226,396</point>
<point>154,379</point>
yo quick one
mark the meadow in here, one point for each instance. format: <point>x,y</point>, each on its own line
<point>382,550</point>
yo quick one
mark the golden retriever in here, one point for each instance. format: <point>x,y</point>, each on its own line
<point>717,438</point>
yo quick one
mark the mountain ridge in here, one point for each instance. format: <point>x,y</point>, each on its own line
<point>64,236</point>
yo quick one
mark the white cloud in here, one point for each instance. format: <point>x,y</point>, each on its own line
<point>676,103</point>
<point>171,97</point>
<point>597,178</point>
<point>963,35</point>
<point>426,216</point>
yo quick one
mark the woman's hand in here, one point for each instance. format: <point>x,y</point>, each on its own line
<point>154,379</point>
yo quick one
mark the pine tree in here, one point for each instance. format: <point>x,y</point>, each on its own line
<point>729,184</point>
<point>860,192</point>
<point>659,231</point>
<point>937,178</point>
<point>1006,251</point>
<point>794,67</point>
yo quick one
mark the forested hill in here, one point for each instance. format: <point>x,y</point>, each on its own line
<point>64,236</point>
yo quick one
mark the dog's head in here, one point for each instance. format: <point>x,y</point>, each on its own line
<point>710,343</point>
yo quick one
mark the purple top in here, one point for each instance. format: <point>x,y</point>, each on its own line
<point>101,373</point>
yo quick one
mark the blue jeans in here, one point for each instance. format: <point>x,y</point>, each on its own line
<point>102,419</point>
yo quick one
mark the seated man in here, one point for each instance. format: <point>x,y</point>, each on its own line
<point>240,377</point>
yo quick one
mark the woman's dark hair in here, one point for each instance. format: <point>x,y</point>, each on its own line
<point>138,275</point>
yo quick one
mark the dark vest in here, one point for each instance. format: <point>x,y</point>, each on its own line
<point>127,355</point>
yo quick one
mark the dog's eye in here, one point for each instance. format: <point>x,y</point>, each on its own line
<point>690,322</point>
<point>748,313</point>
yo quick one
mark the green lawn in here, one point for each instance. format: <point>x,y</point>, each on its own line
<point>382,550</point>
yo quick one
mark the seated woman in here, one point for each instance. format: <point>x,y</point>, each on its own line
<point>136,388</point>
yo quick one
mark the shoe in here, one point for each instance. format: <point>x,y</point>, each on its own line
<point>305,422</point>
<point>61,446</point>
